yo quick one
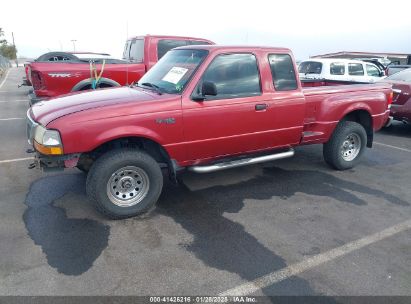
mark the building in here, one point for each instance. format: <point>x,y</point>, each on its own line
<point>395,58</point>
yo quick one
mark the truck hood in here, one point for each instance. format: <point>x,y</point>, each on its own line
<point>46,111</point>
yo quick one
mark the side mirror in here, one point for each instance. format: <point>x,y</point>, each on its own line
<point>208,88</point>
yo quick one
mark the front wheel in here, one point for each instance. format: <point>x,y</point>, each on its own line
<point>346,145</point>
<point>124,183</point>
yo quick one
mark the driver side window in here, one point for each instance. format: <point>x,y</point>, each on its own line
<point>235,75</point>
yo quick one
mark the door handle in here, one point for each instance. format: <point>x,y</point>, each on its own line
<point>261,107</point>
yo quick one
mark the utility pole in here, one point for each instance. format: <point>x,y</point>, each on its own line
<point>74,44</point>
<point>15,50</point>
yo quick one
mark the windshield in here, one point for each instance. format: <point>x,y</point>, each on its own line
<point>310,67</point>
<point>404,75</point>
<point>172,73</point>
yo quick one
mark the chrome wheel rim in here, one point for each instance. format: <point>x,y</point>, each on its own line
<point>351,147</point>
<point>128,186</point>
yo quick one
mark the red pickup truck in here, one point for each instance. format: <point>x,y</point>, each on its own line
<point>55,75</point>
<point>203,108</point>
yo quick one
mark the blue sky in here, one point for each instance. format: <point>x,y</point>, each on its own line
<point>307,27</point>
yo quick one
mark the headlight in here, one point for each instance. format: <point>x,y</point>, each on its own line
<point>47,141</point>
<point>51,138</point>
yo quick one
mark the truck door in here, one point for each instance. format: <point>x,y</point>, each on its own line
<point>238,119</point>
<point>287,102</point>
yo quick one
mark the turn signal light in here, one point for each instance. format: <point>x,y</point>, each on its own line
<point>48,150</point>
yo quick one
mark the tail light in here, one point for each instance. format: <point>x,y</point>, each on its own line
<point>37,80</point>
<point>390,97</point>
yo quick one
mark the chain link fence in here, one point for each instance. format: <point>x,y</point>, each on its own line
<point>4,65</point>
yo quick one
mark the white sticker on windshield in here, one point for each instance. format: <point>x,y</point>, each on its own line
<point>175,75</point>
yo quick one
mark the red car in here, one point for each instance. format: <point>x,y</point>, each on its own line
<point>202,108</point>
<point>71,72</point>
<point>401,104</point>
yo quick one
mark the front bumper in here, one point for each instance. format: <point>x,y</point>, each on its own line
<point>401,112</point>
<point>54,163</point>
<point>43,161</point>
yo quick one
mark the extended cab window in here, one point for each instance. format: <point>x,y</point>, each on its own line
<point>355,69</point>
<point>282,70</point>
<point>372,70</point>
<point>235,75</point>
<point>337,68</point>
<point>137,50</point>
<point>165,45</point>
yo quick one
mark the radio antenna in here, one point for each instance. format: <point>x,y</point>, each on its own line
<point>128,62</point>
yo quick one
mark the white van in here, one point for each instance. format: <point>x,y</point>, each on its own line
<point>339,70</point>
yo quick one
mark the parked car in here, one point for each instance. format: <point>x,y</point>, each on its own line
<point>401,104</point>
<point>338,71</point>
<point>395,68</point>
<point>59,73</point>
<point>202,108</point>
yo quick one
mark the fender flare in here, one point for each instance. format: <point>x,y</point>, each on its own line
<point>88,81</point>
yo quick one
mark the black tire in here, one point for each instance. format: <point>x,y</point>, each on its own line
<point>83,169</point>
<point>101,175</point>
<point>99,86</point>
<point>84,164</point>
<point>343,133</point>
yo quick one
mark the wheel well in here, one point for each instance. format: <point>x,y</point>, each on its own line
<point>363,118</point>
<point>151,147</point>
<point>86,84</point>
<point>101,85</point>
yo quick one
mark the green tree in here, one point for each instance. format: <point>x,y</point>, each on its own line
<point>6,49</point>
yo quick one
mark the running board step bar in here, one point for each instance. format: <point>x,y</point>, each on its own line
<point>241,162</point>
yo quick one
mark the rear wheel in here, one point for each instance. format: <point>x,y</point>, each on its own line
<point>346,145</point>
<point>124,183</point>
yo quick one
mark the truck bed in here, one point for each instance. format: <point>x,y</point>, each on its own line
<point>327,104</point>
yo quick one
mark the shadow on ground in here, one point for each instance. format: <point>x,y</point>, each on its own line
<point>71,245</point>
<point>223,244</point>
<point>398,129</point>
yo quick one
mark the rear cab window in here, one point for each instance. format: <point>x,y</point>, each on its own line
<point>337,68</point>
<point>282,71</point>
<point>164,45</point>
<point>198,42</point>
<point>355,69</point>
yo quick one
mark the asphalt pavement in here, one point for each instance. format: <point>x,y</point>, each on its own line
<point>290,227</point>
